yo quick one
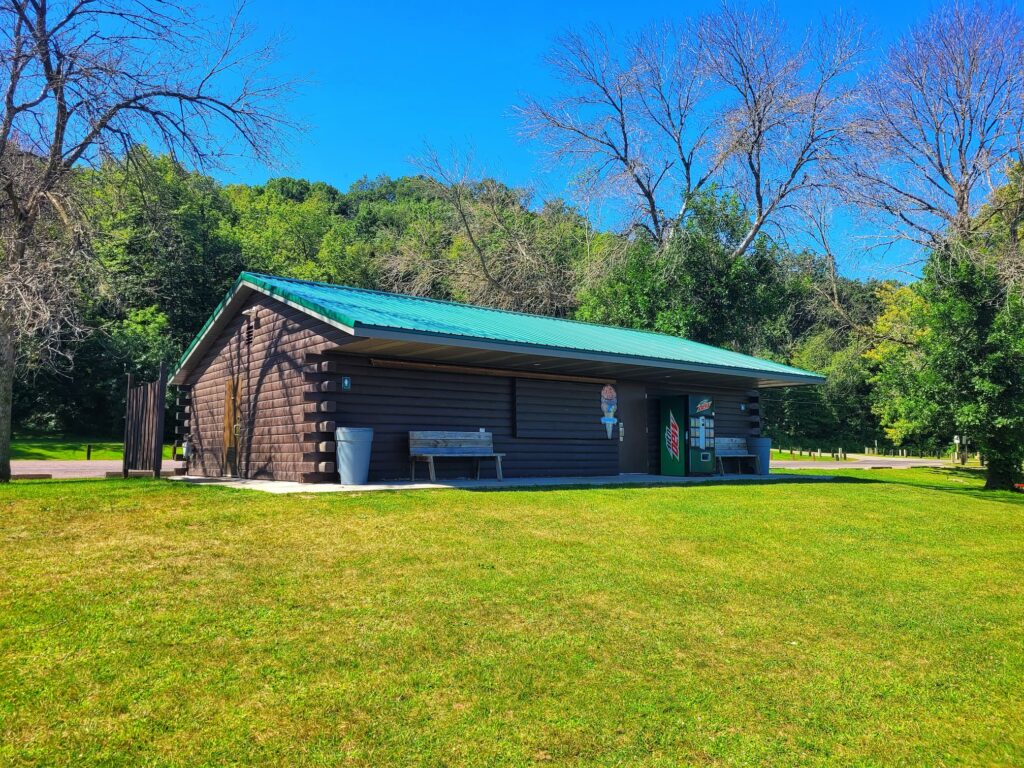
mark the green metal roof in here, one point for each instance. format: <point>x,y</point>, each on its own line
<point>363,312</point>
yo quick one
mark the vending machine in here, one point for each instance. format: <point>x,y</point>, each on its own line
<point>673,435</point>
<point>700,435</point>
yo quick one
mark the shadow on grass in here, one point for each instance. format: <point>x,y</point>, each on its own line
<point>626,484</point>
<point>961,481</point>
<point>41,448</point>
<point>956,481</point>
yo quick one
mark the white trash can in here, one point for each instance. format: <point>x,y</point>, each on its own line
<point>354,445</point>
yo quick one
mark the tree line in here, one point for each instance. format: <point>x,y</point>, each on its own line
<point>170,242</point>
<point>727,143</point>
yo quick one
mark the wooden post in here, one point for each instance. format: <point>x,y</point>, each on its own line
<point>127,426</point>
<point>160,407</point>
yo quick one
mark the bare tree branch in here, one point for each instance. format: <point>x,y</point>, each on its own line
<point>731,99</point>
<point>942,127</point>
<point>85,78</point>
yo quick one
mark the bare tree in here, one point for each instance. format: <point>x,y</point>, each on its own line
<point>630,121</point>
<point>81,78</point>
<point>943,127</point>
<point>732,99</point>
<point>788,105</point>
<point>939,163</point>
<point>499,251</point>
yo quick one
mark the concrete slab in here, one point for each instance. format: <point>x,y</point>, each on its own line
<point>279,486</point>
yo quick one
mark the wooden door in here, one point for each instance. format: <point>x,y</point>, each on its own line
<point>232,425</point>
<point>632,415</point>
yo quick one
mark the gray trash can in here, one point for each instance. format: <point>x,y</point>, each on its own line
<point>353,454</point>
<point>762,448</point>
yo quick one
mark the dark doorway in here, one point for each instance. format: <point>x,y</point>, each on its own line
<point>632,415</point>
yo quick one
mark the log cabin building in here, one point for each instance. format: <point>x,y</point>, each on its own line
<point>282,362</point>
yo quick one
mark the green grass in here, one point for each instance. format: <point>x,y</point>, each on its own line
<point>873,621</point>
<point>67,448</point>
<point>778,455</point>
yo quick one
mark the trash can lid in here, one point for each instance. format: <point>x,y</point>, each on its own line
<point>354,433</point>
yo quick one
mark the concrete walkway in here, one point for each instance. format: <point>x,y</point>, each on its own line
<point>280,486</point>
<point>65,470</point>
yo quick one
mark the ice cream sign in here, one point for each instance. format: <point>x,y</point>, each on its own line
<point>609,404</point>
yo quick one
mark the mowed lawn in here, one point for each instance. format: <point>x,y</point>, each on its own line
<point>67,448</point>
<point>870,622</point>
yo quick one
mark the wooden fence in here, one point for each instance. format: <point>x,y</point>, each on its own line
<point>144,425</point>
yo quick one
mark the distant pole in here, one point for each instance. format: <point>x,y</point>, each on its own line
<point>127,427</point>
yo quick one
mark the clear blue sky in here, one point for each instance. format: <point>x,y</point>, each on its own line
<point>384,79</point>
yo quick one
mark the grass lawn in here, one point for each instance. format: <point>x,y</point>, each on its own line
<point>778,455</point>
<point>875,621</point>
<point>67,448</point>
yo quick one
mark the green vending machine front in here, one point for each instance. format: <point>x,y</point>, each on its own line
<point>700,435</point>
<point>673,438</point>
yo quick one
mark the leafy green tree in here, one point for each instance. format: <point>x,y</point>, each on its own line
<point>163,239</point>
<point>832,415</point>
<point>280,226</point>
<point>695,285</point>
<point>952,362</point>
<point>88,399</point>
<point>974,360</point>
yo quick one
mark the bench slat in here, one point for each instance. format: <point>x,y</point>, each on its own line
<point>733,448</point>
<point>429,445</point>
<point>450,436</point>
<point>731,442</point>
<point>447,441</point>
<point>452,451</point>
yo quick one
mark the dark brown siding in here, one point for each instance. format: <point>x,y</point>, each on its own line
<point>394,401</point>
<point>274,444</point>
<point>558,410</point>
<point>290,376</point>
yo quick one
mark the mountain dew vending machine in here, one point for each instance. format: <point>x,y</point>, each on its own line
<point>688,435</point>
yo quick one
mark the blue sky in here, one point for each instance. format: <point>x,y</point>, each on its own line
<point>385,79</point>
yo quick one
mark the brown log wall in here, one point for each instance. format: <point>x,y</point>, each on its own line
<point>394,402</point>
<point>273,387</point>
<point>290,380</point>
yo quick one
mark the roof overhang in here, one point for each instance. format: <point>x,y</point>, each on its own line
<point>243,289</point>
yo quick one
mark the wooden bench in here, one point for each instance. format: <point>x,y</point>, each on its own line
<point>427,446</point>
<point>734,448</point>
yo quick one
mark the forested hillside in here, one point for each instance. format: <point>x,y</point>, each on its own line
<point>171,242</point>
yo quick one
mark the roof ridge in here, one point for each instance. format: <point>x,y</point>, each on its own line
<point>450,302</point>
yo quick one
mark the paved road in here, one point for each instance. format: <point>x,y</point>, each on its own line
<point>861,462</point>
<point>71,469</point>
<point>66,469</point>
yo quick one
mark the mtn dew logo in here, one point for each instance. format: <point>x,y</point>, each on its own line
<point>672,436</point>
<point>704,405</point>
